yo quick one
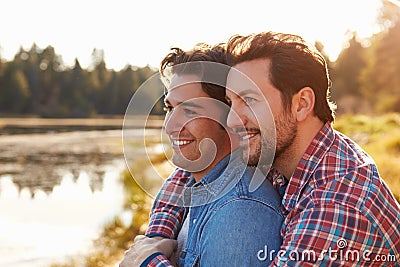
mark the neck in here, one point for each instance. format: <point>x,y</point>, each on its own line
<point>287,162</point>
<point>199,175</point>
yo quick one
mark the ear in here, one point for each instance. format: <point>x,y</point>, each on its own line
<point>303,103</point>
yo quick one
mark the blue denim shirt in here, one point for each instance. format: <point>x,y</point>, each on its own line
<point>229,225</point>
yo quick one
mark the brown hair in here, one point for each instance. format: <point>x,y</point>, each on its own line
<point>294,65</point>
<point>197,56</point>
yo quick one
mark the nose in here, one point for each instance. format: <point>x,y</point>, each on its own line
<point>173,122</point>
<point>236,116</point>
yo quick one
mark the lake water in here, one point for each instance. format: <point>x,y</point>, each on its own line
<point>57,190</point>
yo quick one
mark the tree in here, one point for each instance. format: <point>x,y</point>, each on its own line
<point>99,77</point>
<point>37,82</point>
<point>381,79</point>
<point>15,91</point>
<point>29,61</point>
<point>49,91</point>
<point>77,92</point>
<point>126,86</point>
<point>347,69</point>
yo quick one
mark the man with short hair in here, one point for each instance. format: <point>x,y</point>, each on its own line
<point>335,202</point>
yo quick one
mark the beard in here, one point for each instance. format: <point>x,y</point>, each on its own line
<point>286,133</point>
<point>259,152</point>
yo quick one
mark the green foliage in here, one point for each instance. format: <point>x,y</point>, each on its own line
<point>14,86</point>
<point>37,82</point>
<point>347,69</point>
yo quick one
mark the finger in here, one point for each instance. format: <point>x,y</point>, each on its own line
<point>128,251</point>
<point>130,248</point>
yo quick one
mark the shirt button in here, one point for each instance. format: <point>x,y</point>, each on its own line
<point>194,221</point>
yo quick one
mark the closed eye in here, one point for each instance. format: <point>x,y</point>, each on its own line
<point>189,112</point>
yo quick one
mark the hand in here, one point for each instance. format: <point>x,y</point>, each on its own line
<point>144,246</point>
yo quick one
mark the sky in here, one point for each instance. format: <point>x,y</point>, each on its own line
<point>141,32</point>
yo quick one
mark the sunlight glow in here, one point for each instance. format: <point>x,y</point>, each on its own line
<point>141,33</point>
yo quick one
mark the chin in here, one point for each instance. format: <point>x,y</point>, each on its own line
<point>253,161</point>
<point>250,160</point>
<point>188,164</point>
<point>179,162</point>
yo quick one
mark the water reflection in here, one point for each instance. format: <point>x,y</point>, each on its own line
<point>37,228</point>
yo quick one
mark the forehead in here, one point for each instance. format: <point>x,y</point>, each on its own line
<point>185,87</point>
<point>249,76</point>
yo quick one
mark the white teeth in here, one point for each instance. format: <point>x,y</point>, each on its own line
<point>180,142</point>
<point>248,136</point>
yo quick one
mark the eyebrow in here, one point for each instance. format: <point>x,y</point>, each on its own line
<point>185,104</point>
<point>244,92</point>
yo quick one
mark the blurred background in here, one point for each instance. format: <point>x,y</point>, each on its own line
<point>68,70</point>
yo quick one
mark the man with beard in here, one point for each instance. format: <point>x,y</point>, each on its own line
<point>338,211</point>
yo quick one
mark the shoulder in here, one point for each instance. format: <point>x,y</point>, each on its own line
<point>255,186</point>
<point>238,230</point>
<point>346,173</point>
<point>242,206</point>
<point>249,210</point>
<point>251,187</point>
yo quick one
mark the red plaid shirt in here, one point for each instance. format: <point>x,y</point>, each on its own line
<point>339,212</point>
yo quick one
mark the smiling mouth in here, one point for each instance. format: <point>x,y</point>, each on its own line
<point>181,143</point>
<point>246,135</point>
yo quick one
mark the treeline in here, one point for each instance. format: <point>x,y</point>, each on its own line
<point>36,82</point>
<point>366,79</point>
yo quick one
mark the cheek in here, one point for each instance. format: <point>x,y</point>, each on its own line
<point>263,118</point>
<point>255,113</point>
<point>275,103</point>
<point>198,127</point>
<point>207,128</point>
<point>242,112</point>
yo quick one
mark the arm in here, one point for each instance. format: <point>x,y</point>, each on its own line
<point>329,235</point>
<point>238,233</point>
<point>167,213</point>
